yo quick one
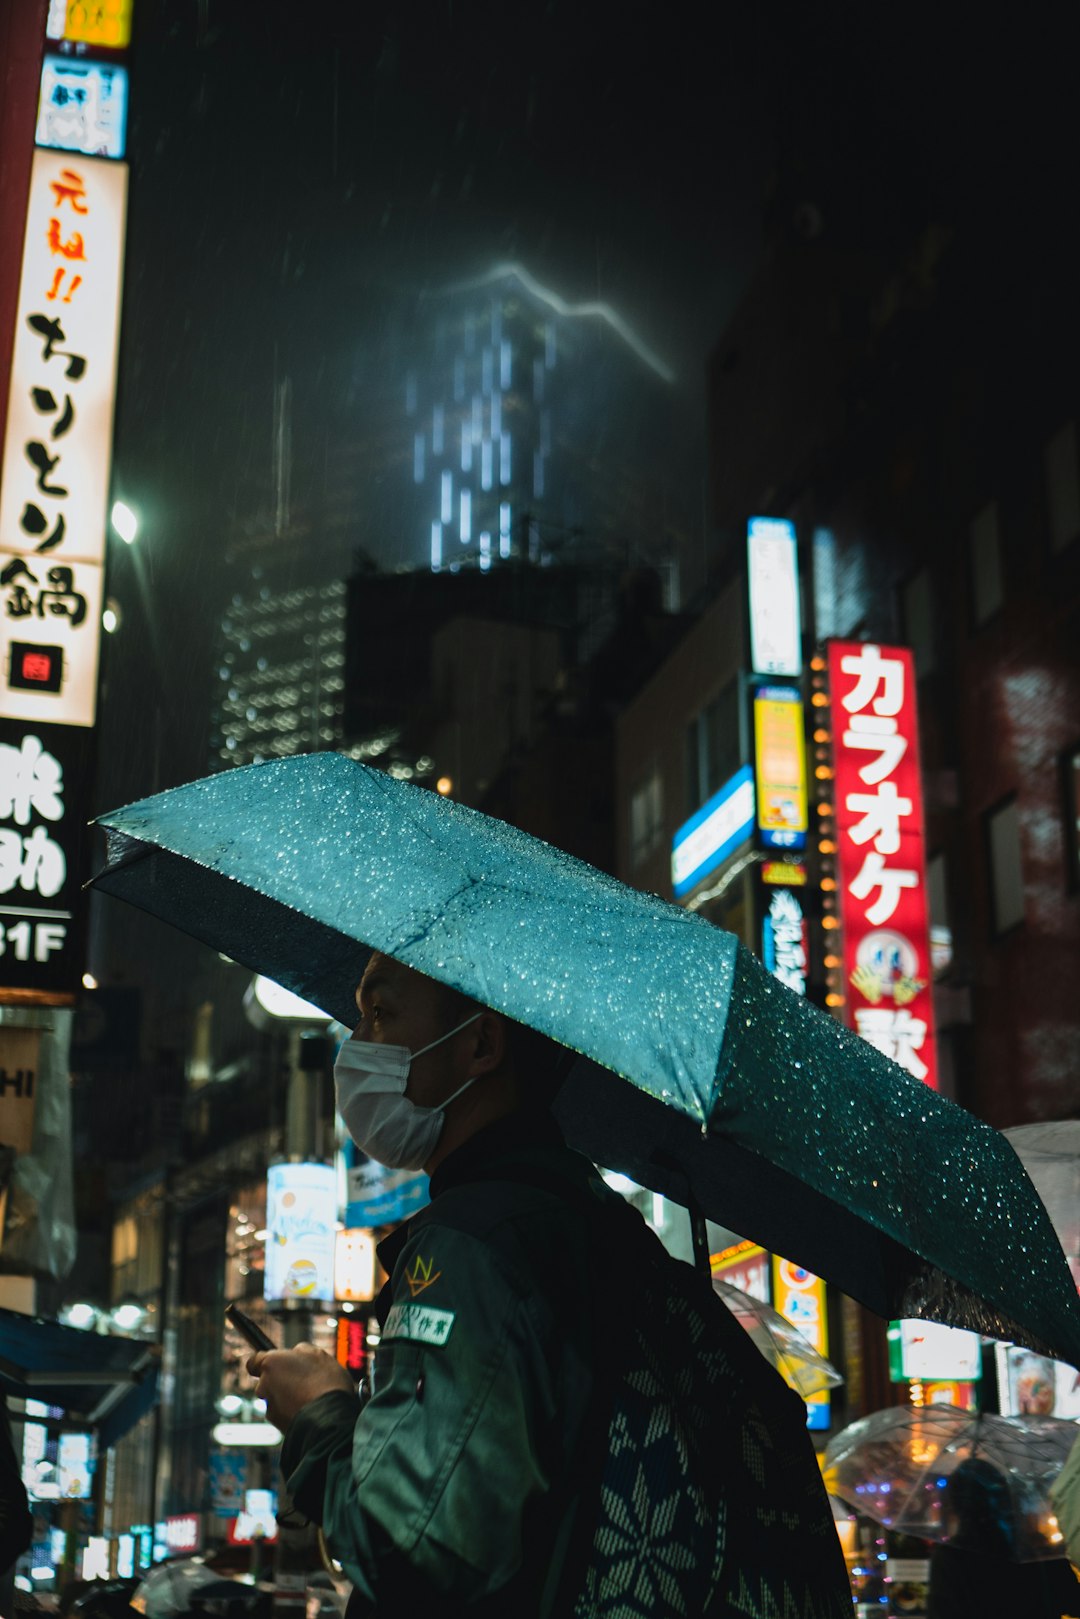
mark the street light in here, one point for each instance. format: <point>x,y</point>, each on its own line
<point>129,1315</point>
<point>124,521</point>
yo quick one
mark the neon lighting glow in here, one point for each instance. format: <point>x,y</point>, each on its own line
<point>436,547</point>
<point>466,516</point>
<point>560,306</point>
<point>447,512</point>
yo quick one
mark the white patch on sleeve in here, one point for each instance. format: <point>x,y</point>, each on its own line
<point>420,1323</point>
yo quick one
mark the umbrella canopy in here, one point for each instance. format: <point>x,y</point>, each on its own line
<point>980,1483</point>
<point>742,1098</point>
<point>782,1345</point>
<point>103,1381</point>
<point>167,1590</point>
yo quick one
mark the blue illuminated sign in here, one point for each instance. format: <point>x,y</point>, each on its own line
<point>706,840</point>
<point>83,106</point>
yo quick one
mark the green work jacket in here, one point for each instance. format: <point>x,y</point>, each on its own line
<point>535,1369</point>
<point>454,1486</point>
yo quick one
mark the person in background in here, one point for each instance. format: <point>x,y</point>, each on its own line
<point>974,1575</point>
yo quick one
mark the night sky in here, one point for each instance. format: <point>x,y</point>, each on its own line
<point>302,173</point>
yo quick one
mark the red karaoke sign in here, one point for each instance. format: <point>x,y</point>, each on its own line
<point>881,855</point>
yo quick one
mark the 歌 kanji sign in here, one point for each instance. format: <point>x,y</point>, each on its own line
<point>42,830</point>
<point>881,861</point>
<point>58,440</point>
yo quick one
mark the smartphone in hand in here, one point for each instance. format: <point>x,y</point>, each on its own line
<point>247,1328</point>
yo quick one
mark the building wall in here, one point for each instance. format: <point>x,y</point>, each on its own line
<point>650,733</point>
<point>492,682</point>
<point>939,393</point>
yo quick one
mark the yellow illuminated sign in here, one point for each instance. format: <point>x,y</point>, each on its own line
<point>799,1296</point>
<point>99,22</point>
<point>780,766</point>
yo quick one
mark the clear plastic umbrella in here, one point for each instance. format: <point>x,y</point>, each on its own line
<point>783,1346</point>
<point>980,1483</point>
<point>167,1590</point>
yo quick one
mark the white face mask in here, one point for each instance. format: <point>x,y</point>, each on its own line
<point>369,1084</point>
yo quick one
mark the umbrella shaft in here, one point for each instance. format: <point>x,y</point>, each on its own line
<point>700,1239</point>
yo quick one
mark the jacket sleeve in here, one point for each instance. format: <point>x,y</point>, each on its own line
<point>426,1498</point>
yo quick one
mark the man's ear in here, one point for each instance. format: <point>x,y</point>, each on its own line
<point>489,1043</point>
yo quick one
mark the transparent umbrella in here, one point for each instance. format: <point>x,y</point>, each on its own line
<point>782,1345</point>
<point>980,1483</point>
<point>168,1590</point>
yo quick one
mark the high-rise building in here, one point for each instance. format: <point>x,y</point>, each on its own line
<point>539,431</point>
<point>279,679</point>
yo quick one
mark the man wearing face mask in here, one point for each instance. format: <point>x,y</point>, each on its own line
<point>472,1480</point>
<point>430,1494</point>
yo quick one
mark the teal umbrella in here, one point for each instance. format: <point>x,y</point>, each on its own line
<point>700,1075</point>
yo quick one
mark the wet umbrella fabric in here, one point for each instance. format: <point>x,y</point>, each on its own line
<point>742,1099</point>
<point>977,1483</point>
<point>782,1345</point>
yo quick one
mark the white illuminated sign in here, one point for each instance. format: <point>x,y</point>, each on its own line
<point>704,841</point>
<point>933,1353</point>
<point>95,1559</point>
<point>74,1468</point>
<point>235,1434</point>
<point>301,1225</point>
<point>282,1003</point>
<point>775,623</point>
<point>58,441</point>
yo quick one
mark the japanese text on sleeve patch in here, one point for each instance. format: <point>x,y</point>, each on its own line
<point>418,1322</point>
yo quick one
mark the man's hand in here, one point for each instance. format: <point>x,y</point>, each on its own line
<point>290,1378</point>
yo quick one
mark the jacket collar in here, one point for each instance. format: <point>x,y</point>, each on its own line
<point>517,1132</point>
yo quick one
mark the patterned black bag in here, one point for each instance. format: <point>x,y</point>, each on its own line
<point>709,1500</point>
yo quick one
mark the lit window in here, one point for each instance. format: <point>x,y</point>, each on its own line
<point>646,817</point>
<point>941,946</point>
<point>1072,814</point>
<point>984,549</point>
<point>1006,872</point>
<point>1062,476</point>
<point>917,610</point>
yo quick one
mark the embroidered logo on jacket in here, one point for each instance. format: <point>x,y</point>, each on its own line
<point>420,1276</point>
